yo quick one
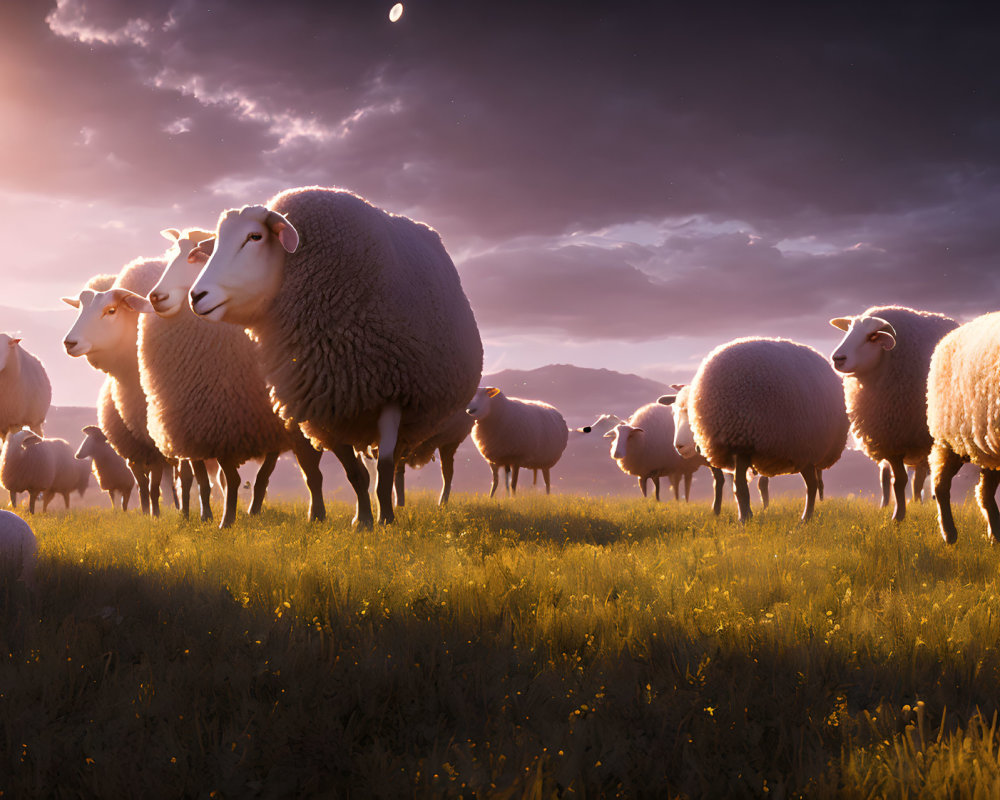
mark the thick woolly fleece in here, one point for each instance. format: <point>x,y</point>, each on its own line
<point>370,311</point>
<point>124,442</point>
<point>651,453</point>
<point>18,548</point>
<point>888,409</point>
<point>25,391</point>
<point>520,433</point>
<point>963,393</point>
<point>453,432</point>
<point>205,391</point>
<point>775,399</point>
<point>71,474</point>
<point>26,469</point>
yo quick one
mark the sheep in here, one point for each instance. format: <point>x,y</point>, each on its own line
<point>884,357</point>
<point>18,550</point>
<point>920,472</point>
<point>106,331</point>
<point>25,391</point>
<point>963,394</point>
<point>445,441</point>
<point>28,464</point>
<point>510,432</point>
<point>71,475</point>
<point>207,398</point>
<point>113,474</point>
<point>772,405</point>
<point>366,336</point>
<point>644,447</point>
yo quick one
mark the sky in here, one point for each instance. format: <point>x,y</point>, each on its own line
<point>621,185</point>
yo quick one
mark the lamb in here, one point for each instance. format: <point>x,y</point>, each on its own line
<point>644,447</point>
<point>18,550</point>
<point>963,394</point>
<point>366,336</point>
<point>113,474</point>
<point>513,433</point>
<point>206,395</point>
<point>445,441</point>
<point>884,357</point>
<point>771,405</point>
<point>70,476</point>
<point>25,391</point>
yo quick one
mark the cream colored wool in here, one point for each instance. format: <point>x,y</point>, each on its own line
<point>18,550</point>
<point>26,468</point>
<point>775,399</point>
<point>520,433</point>
<point>651,452</point>
<point>25,391</point>
<point>71,474</point>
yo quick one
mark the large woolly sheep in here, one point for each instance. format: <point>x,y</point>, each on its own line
<point>513,433</point>
<point>453,431</point>
<point>18,550</point>
<point>27,466</point>
<point>366,337</point>
<point>71,475</point>
<point>963,394</point>
<point>206,394</point>
<point>884,357</point>
<point>106,332</point>
<point>113,474</point>
<point>771,405</point>
<point>25,391</point>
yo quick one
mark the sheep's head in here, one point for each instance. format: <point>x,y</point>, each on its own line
<point>7,345</point>
<point>621,435</point>
<point>106,327</point>
<point>185,260</point>
<point>865,343</point>
<point>244,272</point>
<point>482,401</point>
<point>601,425</point>
<point>683,435</point>
<point>22,439</point>
<point>92,440</point>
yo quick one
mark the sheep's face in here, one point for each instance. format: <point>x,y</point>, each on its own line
<point>865,343</point>
<point>482,401</point>
<point>105,329</point>
<point>245,270</point>
<point>93,439</point>
<point>22,440</point>
<point>7,345</point>
<point>683,435</point>
<point>622,437</point>
<point>187,258</point>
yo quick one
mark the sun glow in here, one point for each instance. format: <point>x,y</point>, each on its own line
<point>395,12</point>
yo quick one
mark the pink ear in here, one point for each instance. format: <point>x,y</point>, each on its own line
<point>14,342</point>
<point>284,230</point>
<point>886,340</point>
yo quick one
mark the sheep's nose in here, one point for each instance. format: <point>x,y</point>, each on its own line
<point>69,344</point>
<point>838,360</point>
<point>196,296</point>
<point>157,297</point>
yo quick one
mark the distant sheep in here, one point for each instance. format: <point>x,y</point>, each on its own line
<point>884,358</point>
<point>513,433</point>
<point>644,448</point>
<point>771,405</point>
<point>18,550</point>
<point>113,474</point>
<point>366,337</point>
<point>445,441</point>
<point>27,466</point>
<point>963,395</point>
<point>25,391</point>
<point>71,475</point>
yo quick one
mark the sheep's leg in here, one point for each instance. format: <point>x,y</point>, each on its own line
<point>186,475</point>
<point>819,483</point>
<point>643,485</point>
<point>719,479</point>
<point>656,488</point>
<point>763,489</point>
<point>141,476</point>
<point>261,481</point>
<point>548,482</point>
<point>357,476</point>
<point>32,497</point>
<point>809,476</point>
<point>200,472</point>
<point>945,463</point>
<point>885,478</point>
<point>46,499</point>
<point>399,482</point>
<point>174,475</point>
<point>13,499</point>
<point>534,477</point>
<point>740,488</point>
<point>111,494</point>
<point>687,486</point>
<point>126,496</point>
<point>898,487</point>
<point>447,453</point>
<point>230,468</point>
<point>920,470</point>
<point>388,444</point>
<point>308,458</point>
<point>675,484</point>
<point>986,491</point>
<point>513,478</point>
<point>496,478</point>
<point>155,478</point>
<point>66,498</point>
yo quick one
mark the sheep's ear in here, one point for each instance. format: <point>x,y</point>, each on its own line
<point>171,234</point>
<point>31,438</point>
<point>884,339</point>
<point>611,434</point>
<point>136,302</point>
<point>283,229</point>
<point>14,342</point>
<point>636,430</point>
<point>841,323</point>
<point>492,391</point>
<point>677,386</point>
<point>201,253</point>
<point>667,399</point>
<point>71,301</point>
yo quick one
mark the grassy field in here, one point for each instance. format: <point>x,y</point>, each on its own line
<point>540,647</point>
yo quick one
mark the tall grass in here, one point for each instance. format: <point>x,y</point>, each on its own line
<point>545,646</point>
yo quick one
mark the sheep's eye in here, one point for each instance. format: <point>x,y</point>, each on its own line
<point>872,337</point>
<point>255,237</point>
<point>110,310</point>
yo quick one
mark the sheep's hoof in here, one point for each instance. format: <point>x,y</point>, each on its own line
<point>950,537</point>
<point>366,523</point>
<point>899,514</point>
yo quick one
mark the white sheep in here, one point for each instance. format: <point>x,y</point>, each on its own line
<point>446,440</point>
<point>25,391</point>
<point>771,405</point>
<point>113,474</point>
<point>963,395</point>
<point>366,337</point>
<point>644,447</point>
<point>512,433</point>
<point>27,466</point>
<point>71,475</point>
<point>18,550</point>
<point>206,394</point>
<point>884,357</point>
<point>106,331</point>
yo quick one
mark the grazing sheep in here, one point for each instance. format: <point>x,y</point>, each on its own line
<point>206,394</point>
<point>963,394</point>
<point>771,405</point>
<point>25,466</point>
<point>366,337</point>
<point>106,331</point>
<point>513,433</point>
<point>644,447</point>
<point>70,476</point>
<point>884,357</point>
<point>18,550</point>
<point>113,474</point>
<point>25,391</point>
<point>445,441</point>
